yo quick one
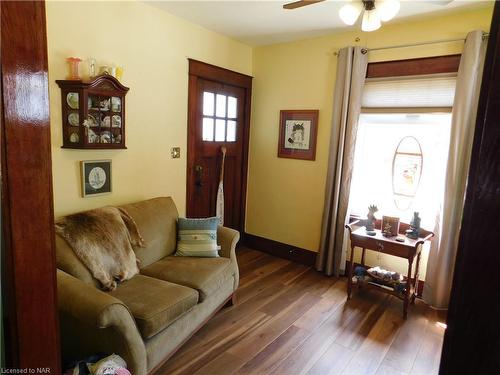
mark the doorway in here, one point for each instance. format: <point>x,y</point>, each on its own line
<point>218,117</point>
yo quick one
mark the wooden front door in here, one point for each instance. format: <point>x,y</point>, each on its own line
<point>218,116</point>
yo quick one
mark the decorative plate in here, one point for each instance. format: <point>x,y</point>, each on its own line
<point>74,119</point>
<point>116,104</point>
<point>72,100</point>
<point>74,138</point>
<point>97,178</point>
<point>116,121</point>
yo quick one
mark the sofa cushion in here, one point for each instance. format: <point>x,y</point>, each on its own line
<point>203,274</point>
<point>156,220</point>
<point>155,304</point>
<point>197,237</point>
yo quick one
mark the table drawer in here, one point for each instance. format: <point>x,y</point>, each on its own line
<point>396,249</point>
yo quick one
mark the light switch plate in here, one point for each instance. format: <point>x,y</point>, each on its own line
<point>175,152</point>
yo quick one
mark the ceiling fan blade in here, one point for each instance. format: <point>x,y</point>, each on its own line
<point>301,3</point>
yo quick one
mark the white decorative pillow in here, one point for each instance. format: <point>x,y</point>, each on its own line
<point>197,237</point>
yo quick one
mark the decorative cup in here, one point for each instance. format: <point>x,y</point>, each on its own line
<point>73,67</point>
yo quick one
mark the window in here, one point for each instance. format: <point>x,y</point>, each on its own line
<point>403,139</point>
<point>219,117</point>
<point>402,144</point>
<point>386,161</point>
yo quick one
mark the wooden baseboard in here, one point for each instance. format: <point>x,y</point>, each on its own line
<point>281,250</point>
<point>293,253</point>
<point>420,282</point>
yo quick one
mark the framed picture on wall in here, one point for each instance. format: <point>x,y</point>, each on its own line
<point>298,133</point>
<point>96,177</point>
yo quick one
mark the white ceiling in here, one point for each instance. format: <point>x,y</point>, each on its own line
<point>260,22</point>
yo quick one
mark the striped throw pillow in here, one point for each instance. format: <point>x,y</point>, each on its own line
<point>197,238</point>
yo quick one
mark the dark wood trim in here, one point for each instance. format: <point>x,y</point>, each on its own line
<point>471,342</point>
<point>229,301</point>
<point>281,250</point>
<point>420,282</point>
<point>27,205</point>
<point>410,67</point>
<point>191,138</point>
<point>246,147</point>
<point>218,74</point>
<point>198,69</point>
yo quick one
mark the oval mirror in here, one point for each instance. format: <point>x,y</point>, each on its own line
<point>406,171</point>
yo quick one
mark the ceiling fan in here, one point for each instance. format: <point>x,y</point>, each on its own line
<point>374,11</point>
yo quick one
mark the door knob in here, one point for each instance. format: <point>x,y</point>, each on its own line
<point>198,169</point>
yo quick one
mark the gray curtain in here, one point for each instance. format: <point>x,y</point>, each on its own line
<point>443,250</point>
<point>351,72</point>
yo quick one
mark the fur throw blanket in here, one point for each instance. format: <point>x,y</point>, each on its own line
<point>102,239</point>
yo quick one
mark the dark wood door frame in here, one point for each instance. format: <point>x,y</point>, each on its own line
<point>197,70</point>
<point>32,332</point>
<point>472,338</point>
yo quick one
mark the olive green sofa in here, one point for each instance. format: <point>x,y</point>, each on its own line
<point>146,318</point>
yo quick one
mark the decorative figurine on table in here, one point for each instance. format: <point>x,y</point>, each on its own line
<point>387,230</point>
<point>414,230</point>
<point>370,220</point>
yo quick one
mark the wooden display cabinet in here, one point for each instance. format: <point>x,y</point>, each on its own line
<point>93,113</point>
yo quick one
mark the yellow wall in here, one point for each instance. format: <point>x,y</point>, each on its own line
<point>285,196</point>
<point>153,47</point>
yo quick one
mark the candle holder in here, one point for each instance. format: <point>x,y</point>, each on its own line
<point>92,72</point>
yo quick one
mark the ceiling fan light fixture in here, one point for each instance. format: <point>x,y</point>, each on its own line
<point>349,13</point>
<point>371,20</point>
<point>387,9</point>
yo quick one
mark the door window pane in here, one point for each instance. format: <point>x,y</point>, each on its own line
<point>208,103</point>
<point>220,130</point>
<point>231,131</point>
<point>208,129</point>
<point>220,107</point>
<point>231,107</point>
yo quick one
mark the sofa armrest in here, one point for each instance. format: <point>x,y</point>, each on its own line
<point>93,321</point>
<point>227,239</point>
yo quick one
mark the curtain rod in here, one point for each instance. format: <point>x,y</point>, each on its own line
<point>485,36</point>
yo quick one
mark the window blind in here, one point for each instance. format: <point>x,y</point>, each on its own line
<point>429,91</point>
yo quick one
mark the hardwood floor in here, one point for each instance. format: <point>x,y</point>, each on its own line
<point>290,319</point>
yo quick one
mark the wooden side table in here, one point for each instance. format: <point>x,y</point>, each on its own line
<point>388,245</point>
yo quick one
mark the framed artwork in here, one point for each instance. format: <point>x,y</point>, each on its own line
<point>298,133</point>
<point>390,226</point>
<point>96,177</point>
